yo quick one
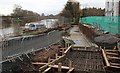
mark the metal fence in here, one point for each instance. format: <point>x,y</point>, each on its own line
<point>13,48</point>
<point>26,44</point>
<point>0,45</point>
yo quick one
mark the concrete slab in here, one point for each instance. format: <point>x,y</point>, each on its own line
<point>79,38</point>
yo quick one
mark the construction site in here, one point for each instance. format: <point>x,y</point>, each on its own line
<point>89,44</point>
<point>73,54</point>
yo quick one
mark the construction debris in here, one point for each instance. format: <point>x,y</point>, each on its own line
<point>107,40</point>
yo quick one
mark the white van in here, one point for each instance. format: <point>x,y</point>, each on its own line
<point>34,26</point>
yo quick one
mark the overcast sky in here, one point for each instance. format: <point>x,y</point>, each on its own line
<point>45,6</point>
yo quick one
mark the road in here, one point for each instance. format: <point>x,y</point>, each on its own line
<point>25,45</point>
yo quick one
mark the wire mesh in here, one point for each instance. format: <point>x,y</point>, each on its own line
<point>85,61</point>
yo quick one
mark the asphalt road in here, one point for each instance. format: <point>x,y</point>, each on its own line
<point>28,44</point>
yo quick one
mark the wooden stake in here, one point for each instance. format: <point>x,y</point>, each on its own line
<point>100,48</point>
<point>70,64</point>
<point>115,48</point>
<point>104,48</point>
<point>49,60</point>
<point>59,67</point>
<point>105,57</point>
<point>56,55</point>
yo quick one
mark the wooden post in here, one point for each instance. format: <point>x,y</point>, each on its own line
<point>65,45</point>
<point>115,48</point>
<point>49,60</point>
<point>56,55</point>
<point>100,48</point>
<point>70,64</point>
<point>104,48</point>
<point>105,57</point>
<point>59,67</point>
<point>68,45</point>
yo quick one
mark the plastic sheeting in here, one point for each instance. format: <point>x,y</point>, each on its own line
<point>106,23</point>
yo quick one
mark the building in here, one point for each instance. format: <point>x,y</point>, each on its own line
<point>112,13</point>
<point>112,8</point>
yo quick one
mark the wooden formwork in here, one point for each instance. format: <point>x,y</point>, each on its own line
<point>112,59</point>
<point>51,62</point>
<point>85,60</point>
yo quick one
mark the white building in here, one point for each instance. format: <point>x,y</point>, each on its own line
<point>112,8</point>
<point>112,13</point>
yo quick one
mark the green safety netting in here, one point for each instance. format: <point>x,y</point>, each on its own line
<point>106,23</point>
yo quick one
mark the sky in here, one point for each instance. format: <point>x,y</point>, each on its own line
<point>45,6</point>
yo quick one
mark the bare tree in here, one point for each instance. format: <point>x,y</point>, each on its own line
<point>72,10</point>
<point>24,15</point>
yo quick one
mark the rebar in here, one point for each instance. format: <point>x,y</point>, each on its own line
<point>85,61</point>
